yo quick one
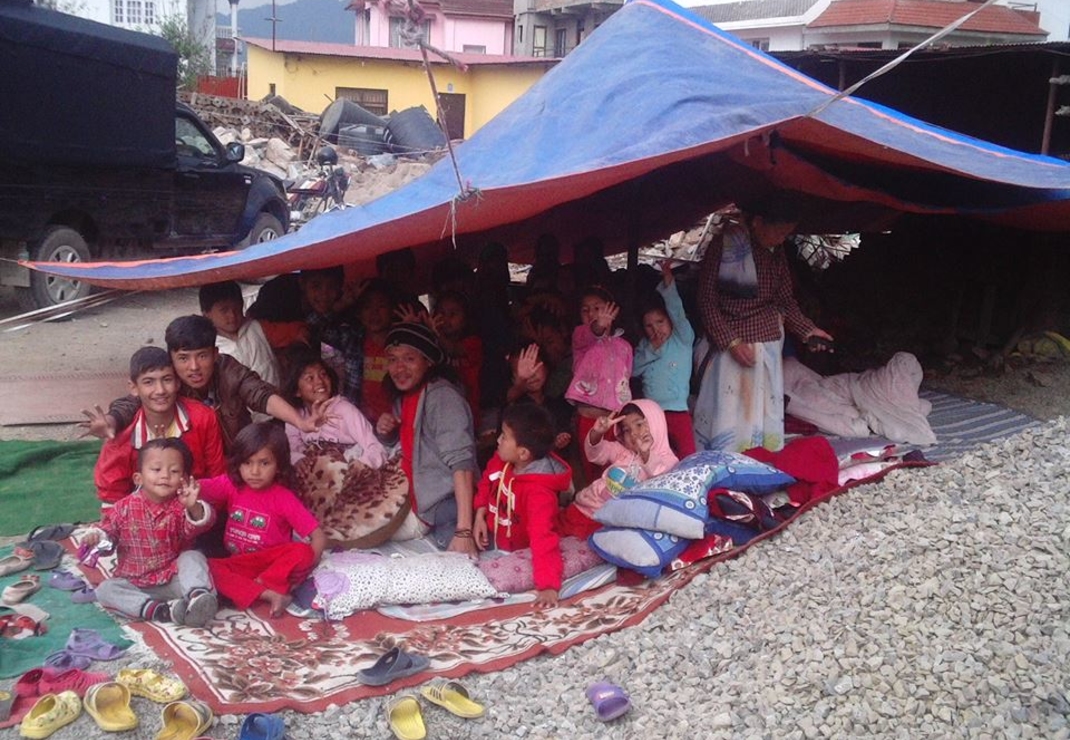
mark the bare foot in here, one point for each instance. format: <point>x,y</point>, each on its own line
<point>278,601</point>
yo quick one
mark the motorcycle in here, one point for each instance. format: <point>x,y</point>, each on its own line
<point>320,192</point>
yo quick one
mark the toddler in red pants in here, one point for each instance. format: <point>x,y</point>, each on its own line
<point>262,516</point>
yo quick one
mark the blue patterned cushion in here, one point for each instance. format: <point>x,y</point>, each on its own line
<point>673,502</point>
<point>637,549</point>
<point>737,472</point>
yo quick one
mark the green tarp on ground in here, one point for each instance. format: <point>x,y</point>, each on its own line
<point>46,483</point>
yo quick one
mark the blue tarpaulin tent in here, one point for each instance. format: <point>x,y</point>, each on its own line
<point>655,119</point>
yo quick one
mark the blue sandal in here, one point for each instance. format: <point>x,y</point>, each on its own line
<point>394,664</point>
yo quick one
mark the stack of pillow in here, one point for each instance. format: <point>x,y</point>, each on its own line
<point>650,524</point>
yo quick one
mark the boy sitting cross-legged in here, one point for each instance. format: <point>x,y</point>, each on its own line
<point>157,576</point>
<point>161,413</point>
<point>516,500</point>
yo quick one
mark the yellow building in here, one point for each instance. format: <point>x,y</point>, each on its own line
<point>311,75</point>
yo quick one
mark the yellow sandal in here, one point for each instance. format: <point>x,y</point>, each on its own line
<point>406,722</point>
<point>51,712</point>
<point>152,685</point>
<point>453,697</point>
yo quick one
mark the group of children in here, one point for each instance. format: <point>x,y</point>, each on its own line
<point>170,496</point>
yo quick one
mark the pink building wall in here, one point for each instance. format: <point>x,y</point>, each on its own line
<point>448,34</point>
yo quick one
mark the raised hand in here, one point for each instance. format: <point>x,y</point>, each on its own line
<point>190,492</point>
<point>666,272</point>
<point>412,315</point>
<point>606,317</point>
<point>98,424</point>
<point>527,363</point>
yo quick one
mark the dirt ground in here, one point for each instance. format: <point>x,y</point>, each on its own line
<point>103,338</point>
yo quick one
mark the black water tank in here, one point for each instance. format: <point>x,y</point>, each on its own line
<point>363,139</point>
<point>343,112</point>
<point>413,131</point>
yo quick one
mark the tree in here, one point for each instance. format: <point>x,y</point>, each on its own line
<point>194,59</point>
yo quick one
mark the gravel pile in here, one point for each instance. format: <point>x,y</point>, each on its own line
<point>934,603</point>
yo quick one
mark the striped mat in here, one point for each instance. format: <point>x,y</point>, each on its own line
<point>961,424</point>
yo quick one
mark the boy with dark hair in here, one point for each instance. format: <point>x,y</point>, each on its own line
<point>219,381</point>
<point>240,337</point>
<point>158,576</point>
<point>516,500</point>
<point>159,414</point>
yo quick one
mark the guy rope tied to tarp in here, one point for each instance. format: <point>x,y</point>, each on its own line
<point>412,35</point>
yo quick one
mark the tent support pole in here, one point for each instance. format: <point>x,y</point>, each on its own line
<point>1049,114</point>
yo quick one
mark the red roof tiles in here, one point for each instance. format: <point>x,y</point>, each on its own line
<point>926,14</point>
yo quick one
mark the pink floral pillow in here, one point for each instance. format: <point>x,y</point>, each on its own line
<point>512,572</point>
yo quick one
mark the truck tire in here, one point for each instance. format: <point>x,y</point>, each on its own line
<point>59,244</point>
<point>265,228</point>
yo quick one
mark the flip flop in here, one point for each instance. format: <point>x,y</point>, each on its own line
<point>46,554</point>
<point>151,685</point>
<point>51,532</point>
<point>259,726</point>
<point>20,589</point>
<point>88,642</point>
<point>51,712</point>
<point>65,581</point>
<point>63,660</point>
<point>406,722</point>
<point>609,700</point>
<point>85,595</point>
<point>453,697</point>
<point>15,562</point>
<point>109,706</point>
<point>183,720</point>
<point>7,699</point>
<point>394,664</point>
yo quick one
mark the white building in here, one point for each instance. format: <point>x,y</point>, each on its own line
<point>146,15</point>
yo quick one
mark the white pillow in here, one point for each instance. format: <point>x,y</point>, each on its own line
<point>349,582</point>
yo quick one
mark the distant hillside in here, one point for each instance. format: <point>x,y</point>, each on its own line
<point>325,21</point>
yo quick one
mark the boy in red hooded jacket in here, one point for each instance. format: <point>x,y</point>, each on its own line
<point>516,500</point>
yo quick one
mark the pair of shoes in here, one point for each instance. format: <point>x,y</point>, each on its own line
<point>41,681</point>
<point>15,562</point>
<point>65,581</point>
<point>394,664</point>
<point>185,719</point>
<point>407,721</point>
<point>15,626</point>
<point>453,697</point>
<point>609,700</point>
<point>88,642</point>
<point>51,712</point>
<point>109,706</point>
<point>20,589</point>
<point>258,726</point>
<point>46,554</point>
<point>151,685</point>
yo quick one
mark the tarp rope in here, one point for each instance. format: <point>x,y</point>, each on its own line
<point>412,35</point>
<point>899,59</point>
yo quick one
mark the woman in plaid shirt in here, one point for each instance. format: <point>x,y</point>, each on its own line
<point>746,302</point>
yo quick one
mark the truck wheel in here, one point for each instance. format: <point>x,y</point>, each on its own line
<point>59,244</point>
<point>265,228</point>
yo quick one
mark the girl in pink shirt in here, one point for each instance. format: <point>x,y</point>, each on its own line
<point>311,382</point>
<point>262,517</point>
<point>601,366</point>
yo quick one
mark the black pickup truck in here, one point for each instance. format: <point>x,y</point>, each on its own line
<point>99,162</point>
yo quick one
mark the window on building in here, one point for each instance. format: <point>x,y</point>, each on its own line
<point>396,27</point>
<point>373,101</point>
<point>520,34</point>
<point>560,42</point>
<point>133,12</point>
<point>538,41</point>
<point>762,44</point>
<point>150,13</point>
<point>471,49</point>
<point>579,33</point>
<point>119,12</point>
<point>271,89</point>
